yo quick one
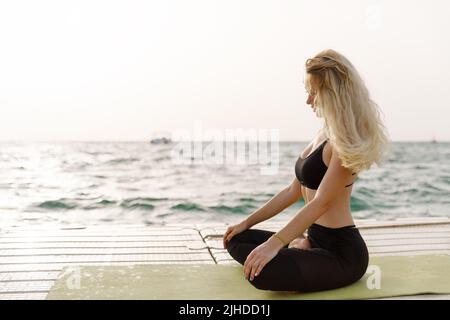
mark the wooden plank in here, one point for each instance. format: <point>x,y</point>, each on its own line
<point>95,251</point>
<point>193,245</point>
<point>99,238</point>
<point>28,276</point>
<point>103,244</point>
<point>412,247</point>
<point>6,268</point>
<point>193,256</point>
<point>406,242</point>
<point>396,230</point>
<point>45,227</point>
<point>24,296</point>
<point>405,235</point>
<point>25,286</point>
<point>103,233</point>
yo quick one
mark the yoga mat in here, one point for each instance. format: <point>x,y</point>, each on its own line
<point>387,276</point>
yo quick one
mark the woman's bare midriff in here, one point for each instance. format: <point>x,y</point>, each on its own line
<point>339,214</point>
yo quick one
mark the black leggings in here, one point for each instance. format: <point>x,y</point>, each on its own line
<point>338,257</point>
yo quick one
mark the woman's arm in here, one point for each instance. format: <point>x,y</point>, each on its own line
<point>278,203</point>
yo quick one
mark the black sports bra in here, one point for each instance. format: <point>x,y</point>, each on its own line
<point>310,171</point>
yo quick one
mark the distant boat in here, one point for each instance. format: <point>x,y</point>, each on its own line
<point>433,140</point>
<point>162,140</point>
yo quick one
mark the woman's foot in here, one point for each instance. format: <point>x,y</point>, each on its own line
<point>300,243</point>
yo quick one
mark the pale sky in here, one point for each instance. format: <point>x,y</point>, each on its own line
<point>120,70</point>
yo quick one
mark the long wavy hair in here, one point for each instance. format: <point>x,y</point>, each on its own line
<point>352,120</point>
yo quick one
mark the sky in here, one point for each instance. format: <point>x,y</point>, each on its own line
<point>123,70</point>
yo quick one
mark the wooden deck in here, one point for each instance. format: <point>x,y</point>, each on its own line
<point>31,258</point>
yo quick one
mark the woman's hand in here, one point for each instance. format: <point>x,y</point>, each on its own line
<point>232,231</point>
<point>260,256</point>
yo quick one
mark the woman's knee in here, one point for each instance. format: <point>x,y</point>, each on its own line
<point>231,245</point>
<point>243,236</point>
<point>237,239</point>
<point>255,236</point>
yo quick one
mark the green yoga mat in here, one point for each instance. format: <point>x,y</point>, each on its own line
<point>387,276</point>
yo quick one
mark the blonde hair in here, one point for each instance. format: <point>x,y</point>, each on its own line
<point>351,119</point>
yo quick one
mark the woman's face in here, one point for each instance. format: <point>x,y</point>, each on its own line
<point>310,101</point>
<point>311,96</point>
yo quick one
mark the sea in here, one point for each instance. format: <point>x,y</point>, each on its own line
<point>102,183</point>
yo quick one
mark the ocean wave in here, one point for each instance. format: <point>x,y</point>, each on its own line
<point>137,205</point>
<point>75,166</point>
<point>421,167</point>
<point>233,209</point>
<point>445,179</point>
<point>98,153</point>
<point>83,194</point>
<point>245,199</point>
<point>122,160</point>
<point>140,203</point>
<point>56,204</point>
<point>188,206</point>
<point>100,204</point>
<point>146,199</point>
<point>435,188</point>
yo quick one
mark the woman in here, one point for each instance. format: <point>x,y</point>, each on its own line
<point>353,138</point>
